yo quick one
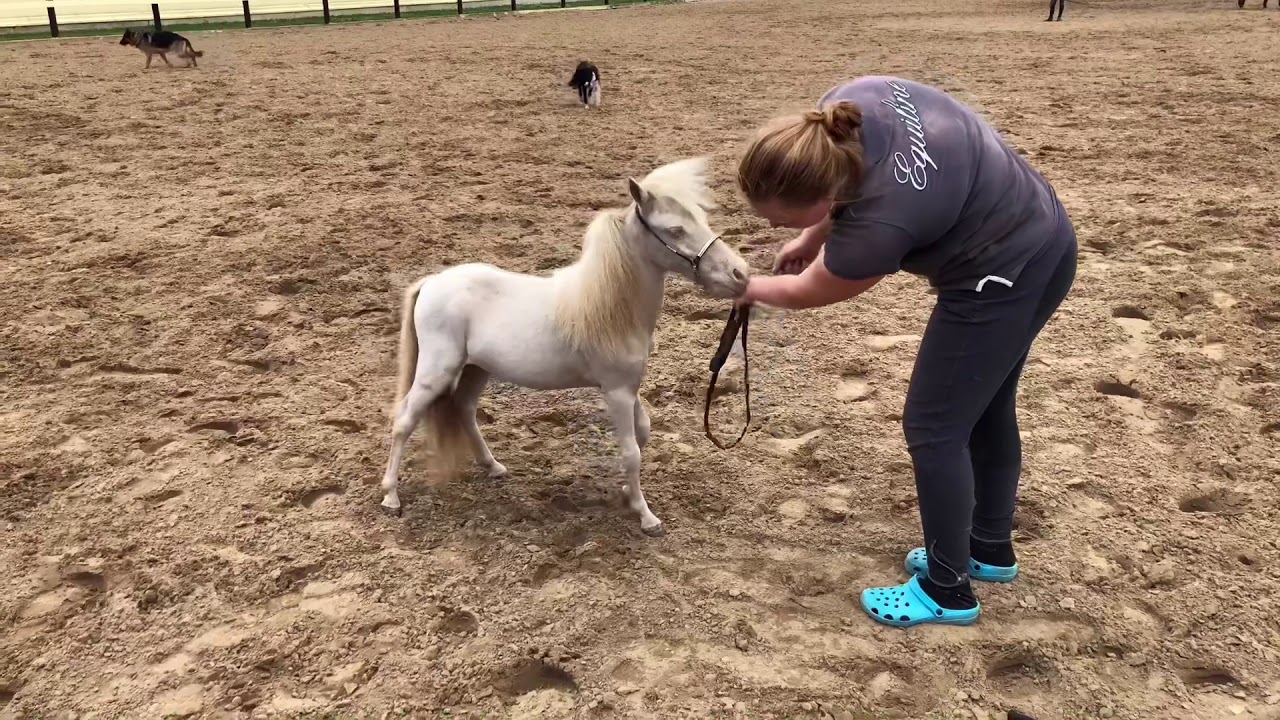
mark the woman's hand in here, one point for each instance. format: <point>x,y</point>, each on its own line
<point>744,301</point>
<point>762,290</point>
<point>796,255</point>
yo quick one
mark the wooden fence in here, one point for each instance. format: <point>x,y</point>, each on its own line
<point>304,8</point>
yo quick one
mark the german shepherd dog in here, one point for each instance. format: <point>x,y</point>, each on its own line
<point>161,43</point>
<point>586,80</point>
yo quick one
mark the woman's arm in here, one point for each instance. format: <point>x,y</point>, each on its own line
<point>814,287</point>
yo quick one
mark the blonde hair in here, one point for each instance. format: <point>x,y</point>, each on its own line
<point>801,159</point>
<point>599,315</point>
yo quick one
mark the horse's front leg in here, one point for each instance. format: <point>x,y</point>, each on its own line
<point>623,410</point>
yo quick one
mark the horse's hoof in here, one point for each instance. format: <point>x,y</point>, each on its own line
<point>656,531</point>
<point>392,511</point>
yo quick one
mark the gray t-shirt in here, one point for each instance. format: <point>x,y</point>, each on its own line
<point>942,195</point>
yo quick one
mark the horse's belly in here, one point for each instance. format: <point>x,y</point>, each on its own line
<point>534,380</point>
<point>538,363</point>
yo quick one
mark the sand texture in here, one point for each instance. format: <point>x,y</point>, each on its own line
<point>202,274</point>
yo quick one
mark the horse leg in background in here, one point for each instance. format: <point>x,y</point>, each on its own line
<point>622,403</point>
<point>470,387</point>
<point>642,424</point>
<point>432,378</point>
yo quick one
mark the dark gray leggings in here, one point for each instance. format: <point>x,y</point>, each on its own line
<point>960,422</point>
<point>1060,4</point>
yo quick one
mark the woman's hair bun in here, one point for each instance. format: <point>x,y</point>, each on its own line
<point>841,120</point>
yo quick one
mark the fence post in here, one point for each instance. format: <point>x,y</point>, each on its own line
<point>397,7</point>
<point>561,3</point>
<point>53,22</point>
<point>459,7</point>
<point>513,5</point>
<point>248,19</point>
<point>155,15</point>
<point>326,12</point>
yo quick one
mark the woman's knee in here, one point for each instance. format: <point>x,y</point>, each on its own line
<point>927,433</point>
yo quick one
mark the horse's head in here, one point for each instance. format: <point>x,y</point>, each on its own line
<point>670,212</point>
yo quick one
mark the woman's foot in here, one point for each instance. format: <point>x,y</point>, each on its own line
<point>919,601</point>
<point>990,562</point>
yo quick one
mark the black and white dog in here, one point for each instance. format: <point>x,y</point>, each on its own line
<point>586,80</point>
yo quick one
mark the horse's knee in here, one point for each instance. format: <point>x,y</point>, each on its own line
<point>631,459</point>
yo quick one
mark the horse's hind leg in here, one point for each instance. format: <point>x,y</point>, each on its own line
<point>643,429</point>
<point>623,403</point>
<point>470,387</point>
<point>432,378</point>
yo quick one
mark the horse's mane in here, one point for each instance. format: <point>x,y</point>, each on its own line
<point>602,313</point>
<point>684,180</point>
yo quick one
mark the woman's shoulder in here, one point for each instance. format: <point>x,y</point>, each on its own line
<point>860,89</point>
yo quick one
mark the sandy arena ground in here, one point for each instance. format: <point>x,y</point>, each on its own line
<point>201,275</point>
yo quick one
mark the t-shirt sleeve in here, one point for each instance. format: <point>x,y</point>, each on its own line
<point>857,249</point>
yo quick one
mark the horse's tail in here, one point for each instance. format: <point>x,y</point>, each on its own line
<point>408,342</point>
<point>447,438</point>
<point>446,434</point>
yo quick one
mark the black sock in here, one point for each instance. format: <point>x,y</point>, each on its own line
<point>999,554</point>
<point>956,597</point>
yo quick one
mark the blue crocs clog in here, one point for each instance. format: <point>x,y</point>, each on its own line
<point>917,563</point>
<point>907,605</point>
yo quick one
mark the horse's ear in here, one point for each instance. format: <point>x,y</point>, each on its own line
<point>637,193</point>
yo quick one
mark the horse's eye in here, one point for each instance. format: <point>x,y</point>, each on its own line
<point>676,231</point>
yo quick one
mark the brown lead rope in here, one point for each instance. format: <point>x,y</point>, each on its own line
<point>738,320</point>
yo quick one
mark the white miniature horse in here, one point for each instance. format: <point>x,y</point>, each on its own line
<point>589,324</point>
